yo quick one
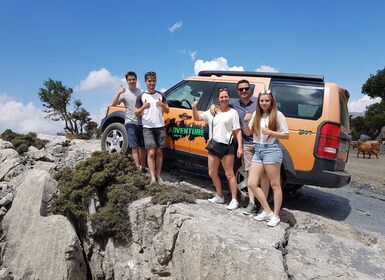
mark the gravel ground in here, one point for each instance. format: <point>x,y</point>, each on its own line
<point>367,171</point>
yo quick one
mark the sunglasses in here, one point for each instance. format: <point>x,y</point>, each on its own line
<point>223,89</point>
<point>266,92</point>
<point>244,89</point>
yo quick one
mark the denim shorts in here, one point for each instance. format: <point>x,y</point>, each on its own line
<point>135,135</point>
<point>268,153</point>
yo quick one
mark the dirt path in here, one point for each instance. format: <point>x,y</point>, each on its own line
<point>367,171</point>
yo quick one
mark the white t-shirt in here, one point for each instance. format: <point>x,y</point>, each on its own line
<point>152,117</point>
<point>266,139</point>
<point>224,124</point>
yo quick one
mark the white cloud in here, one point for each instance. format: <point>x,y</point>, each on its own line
<point>193,54</point>
<point>266,68</point>
<point>219,63</point>
<point>98,79</point>
<point>361,104</point>
<point>175,26</point>
<point>24,118</point>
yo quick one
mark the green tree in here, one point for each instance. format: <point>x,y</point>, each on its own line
<point>375,117</point>
<point>56,98</point>
<point>358,127</point>
<point>375,85</point>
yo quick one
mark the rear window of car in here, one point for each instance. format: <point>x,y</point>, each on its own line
<point>299,99</point>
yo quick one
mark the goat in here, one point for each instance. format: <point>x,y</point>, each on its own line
<point>367,147</point>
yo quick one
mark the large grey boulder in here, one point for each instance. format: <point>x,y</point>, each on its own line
<point>40,246</point>
<point>10,161</point>
<point>194,241</point>
<point>206,241</point>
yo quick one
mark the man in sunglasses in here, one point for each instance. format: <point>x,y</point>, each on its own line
<point>246,104</point>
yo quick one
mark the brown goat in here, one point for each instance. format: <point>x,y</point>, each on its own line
<point>367,147</point>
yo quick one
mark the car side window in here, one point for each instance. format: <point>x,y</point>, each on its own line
<point>233,92</point>
<point>299,101</point>
<point>184,94</point>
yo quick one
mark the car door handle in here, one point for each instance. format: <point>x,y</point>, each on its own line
<point>185,116</point>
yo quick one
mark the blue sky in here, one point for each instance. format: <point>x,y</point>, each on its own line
<point>89,45</point>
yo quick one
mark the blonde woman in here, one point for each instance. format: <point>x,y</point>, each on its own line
<point>267,125</point>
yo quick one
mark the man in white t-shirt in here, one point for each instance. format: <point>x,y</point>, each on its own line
<point>151,105</point>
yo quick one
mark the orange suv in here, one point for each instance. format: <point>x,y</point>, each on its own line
<point>316,112</point>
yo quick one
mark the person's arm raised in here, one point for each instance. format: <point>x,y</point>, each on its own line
<point>196,115</point>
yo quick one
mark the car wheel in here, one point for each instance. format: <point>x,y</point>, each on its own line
<point>240,177</point>
<point>292,189</point>
<point>115,139</point>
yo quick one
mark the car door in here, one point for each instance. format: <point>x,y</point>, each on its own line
<point>197,147</point>
<point>181,130</point>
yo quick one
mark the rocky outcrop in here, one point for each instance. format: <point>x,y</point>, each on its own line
<point>202,241</point>
<point>11,164</point>
<point>40,247</point>
<point>178,241</point>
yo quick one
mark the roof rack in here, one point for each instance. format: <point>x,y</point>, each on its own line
<point>219,73</point>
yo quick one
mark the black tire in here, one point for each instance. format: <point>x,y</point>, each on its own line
<point>292,189</point>
<point>238,170</point>
<point>115,139</point>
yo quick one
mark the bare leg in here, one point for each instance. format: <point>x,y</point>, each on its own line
<point>135,156</point>
<point>151,162</point>
<point>265,184</point>
<point>250,192</point>
<point>213,164</point>
<point>142,157</point>
<point>159,161</point>
<point>274,173</point>
<point>228,165</point>
<point>257,169</point>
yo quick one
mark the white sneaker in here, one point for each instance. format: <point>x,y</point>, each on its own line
<point>263,216</point>
<point>233,205</point>
<point>217,199</point>
<point>274,221</point>
<point>152,183</point>
<point>160,181</point>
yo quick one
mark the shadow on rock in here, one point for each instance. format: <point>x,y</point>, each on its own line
<point>315,201</point>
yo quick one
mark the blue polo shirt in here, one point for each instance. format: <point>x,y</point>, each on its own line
<point>242,109</point>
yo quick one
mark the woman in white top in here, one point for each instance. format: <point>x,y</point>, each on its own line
<point>222,126</point>
<point>267,125</point>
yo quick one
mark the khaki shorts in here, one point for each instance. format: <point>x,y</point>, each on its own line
<point>248,153</point>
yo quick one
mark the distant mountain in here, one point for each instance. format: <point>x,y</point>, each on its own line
<point>357,114</point>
